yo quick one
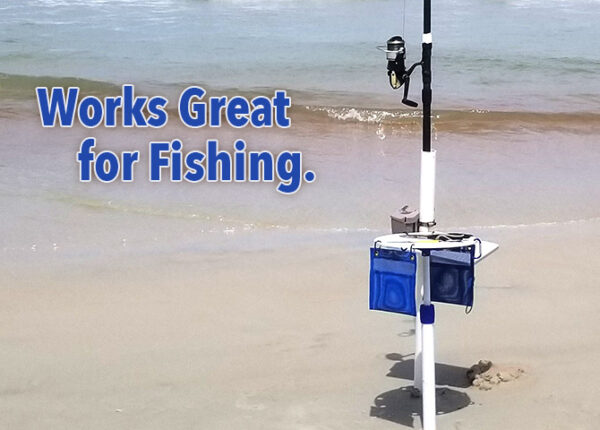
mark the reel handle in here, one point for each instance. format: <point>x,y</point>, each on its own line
<point>410,103</point>
<point>405,100</point>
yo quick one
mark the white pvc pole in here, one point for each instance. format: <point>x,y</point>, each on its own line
<point>418,329</point>
<point>427,191</point>
<point>426,218</point>
<point>428,355</point>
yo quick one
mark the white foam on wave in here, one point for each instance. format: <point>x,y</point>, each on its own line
<point>525,225</point>
<point>371,116</point>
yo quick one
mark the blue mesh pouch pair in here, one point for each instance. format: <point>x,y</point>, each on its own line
<point>393,277</point>
<point>452,275</point>
<point>392,281</point>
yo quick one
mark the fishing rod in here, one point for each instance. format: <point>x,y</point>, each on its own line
<point>399,75</point>
<point>408,220</point>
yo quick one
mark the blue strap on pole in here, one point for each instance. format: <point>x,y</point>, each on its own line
<point>427,313</point>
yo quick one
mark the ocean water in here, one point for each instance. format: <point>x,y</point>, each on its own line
<point>516,119</point>
<point>507,55</point>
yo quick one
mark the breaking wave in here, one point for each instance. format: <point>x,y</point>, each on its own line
<point>312,108</point>
<point>461,121</point>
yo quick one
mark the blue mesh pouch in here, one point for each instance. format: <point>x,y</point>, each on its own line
<point>453,275</point>
<point>392,281</point>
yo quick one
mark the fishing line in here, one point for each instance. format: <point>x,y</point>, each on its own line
<point>403,17</point>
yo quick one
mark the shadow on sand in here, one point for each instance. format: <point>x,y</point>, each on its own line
<point>401,407</point>
<point>445,374</point>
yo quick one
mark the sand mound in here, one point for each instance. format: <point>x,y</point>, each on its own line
<point>485,375</point>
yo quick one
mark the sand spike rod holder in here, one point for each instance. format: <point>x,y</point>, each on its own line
<point>415,266</point>
<point>405,268</point>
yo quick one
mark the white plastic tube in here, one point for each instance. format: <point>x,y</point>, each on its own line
<point>418,375</point>
<point>427,192</point>
<point>429,406</point>
<point>428,357</point>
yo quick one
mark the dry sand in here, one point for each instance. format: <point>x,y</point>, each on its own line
<point>284,340</point>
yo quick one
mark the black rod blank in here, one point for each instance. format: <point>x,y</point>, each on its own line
<point>426,72</point>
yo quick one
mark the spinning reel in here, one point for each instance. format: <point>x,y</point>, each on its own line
<point>395,53</point>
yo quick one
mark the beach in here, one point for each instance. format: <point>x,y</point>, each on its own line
<point>122,314</point>
<point>203,305</point>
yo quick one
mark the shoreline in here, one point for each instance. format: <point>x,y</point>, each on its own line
<point>382,121</point>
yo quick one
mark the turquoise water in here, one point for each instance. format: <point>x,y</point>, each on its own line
<point>499,55</point>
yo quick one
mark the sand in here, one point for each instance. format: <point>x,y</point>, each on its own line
<point>277,334</point>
